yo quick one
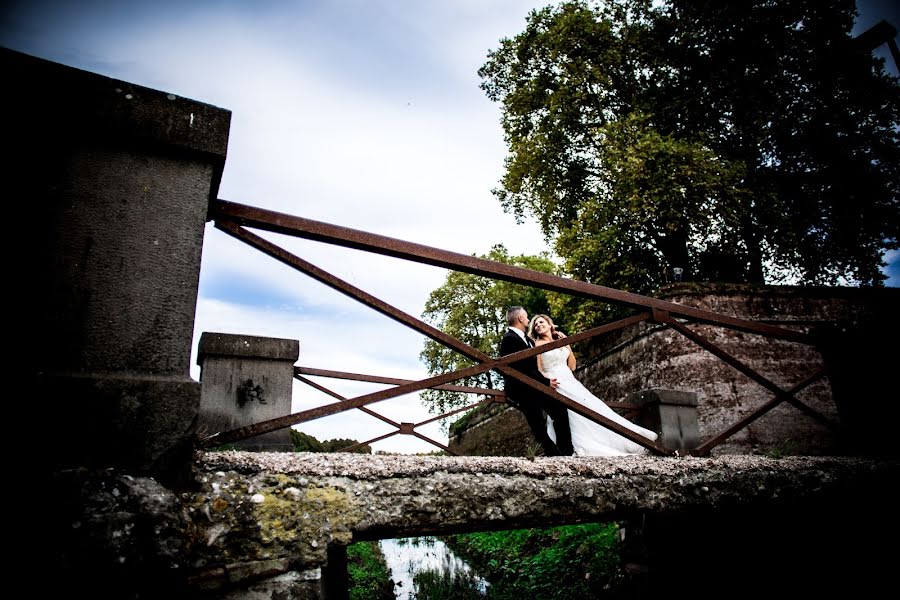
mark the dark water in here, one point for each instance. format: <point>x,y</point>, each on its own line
<point>408,556</point>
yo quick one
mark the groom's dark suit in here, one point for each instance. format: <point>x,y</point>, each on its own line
<point>533,403</point>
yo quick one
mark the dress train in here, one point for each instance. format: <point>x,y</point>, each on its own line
<point>589,438</point>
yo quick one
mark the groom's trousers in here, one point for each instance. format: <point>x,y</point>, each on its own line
<point>533,408</point>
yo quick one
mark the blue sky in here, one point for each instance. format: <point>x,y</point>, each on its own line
<point>363,113</point>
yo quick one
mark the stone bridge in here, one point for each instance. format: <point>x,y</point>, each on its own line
<point>261,525</point>
<point>112,183</point>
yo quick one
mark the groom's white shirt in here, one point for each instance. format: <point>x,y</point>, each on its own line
<point>520,333</point>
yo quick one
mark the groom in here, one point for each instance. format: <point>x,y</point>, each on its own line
<point>530,401</point>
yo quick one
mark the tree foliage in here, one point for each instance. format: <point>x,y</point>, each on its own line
<point>473,310</point>
<point>744,141</point>
<point>303,442</point>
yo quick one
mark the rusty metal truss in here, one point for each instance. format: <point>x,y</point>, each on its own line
<point>235,219</point>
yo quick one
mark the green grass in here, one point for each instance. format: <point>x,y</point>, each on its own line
<point>369,576</point>
<point>560,563</point>
<point>432,585</point>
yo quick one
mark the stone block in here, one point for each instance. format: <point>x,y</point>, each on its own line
<point>671,413</point>
<point>245,380</point>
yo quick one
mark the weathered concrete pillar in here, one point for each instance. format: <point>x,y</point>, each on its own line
<point>111,183</point>
<point>335,577</point>
<point>672,413</point>
<point>246,380</point>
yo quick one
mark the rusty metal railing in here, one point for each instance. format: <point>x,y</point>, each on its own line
<point>402,427</point>
<point>234,219</point>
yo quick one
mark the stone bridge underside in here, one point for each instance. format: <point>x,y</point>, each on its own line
<point>270,518</point>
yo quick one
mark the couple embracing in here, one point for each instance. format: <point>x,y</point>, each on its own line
<point>563,432</point>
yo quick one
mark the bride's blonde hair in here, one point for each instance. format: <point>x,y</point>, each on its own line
<point>535,318</point>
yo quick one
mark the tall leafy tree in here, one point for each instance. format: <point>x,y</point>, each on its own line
<point>473,310</point>
<point>744,141</point>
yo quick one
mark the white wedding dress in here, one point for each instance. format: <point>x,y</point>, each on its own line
<point>589,438</point>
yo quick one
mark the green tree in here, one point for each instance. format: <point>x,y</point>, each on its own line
<point>473,310</point>
<point>303,442</point>
<point>744,141</point>
<point>338,444</point>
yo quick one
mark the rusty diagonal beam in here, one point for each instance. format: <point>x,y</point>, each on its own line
<point>704,448</point>
<point>394,381</point>
<point>454,411</point>
<point>258,218</point>
<point>393,433</point>
<point>378,379</point>
<point>752,374</point>
<point>781,395</point>
<point>499,395</point>
<point>372,441</point>
<point>416,434</point>
<point>486,361</point>
<point>399,426</point>
<point>438,444</point>
<point>630,407</point>
<point>325,390</point>
<point>412,427</point>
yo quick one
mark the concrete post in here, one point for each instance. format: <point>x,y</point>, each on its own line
<point>672,413</point>
<point>111,183</point>
<point>335,578</point>
<point>245,380</point>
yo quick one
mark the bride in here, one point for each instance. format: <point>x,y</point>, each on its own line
<point>588,438</point>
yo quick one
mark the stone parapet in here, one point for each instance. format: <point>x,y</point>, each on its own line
<point>493,430</point>
<point>245,380</point>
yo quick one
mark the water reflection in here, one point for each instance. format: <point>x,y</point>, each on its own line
<point>408,556</point>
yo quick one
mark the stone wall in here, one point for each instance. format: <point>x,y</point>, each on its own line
<point>493,430</point>
<point>649,356</point>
